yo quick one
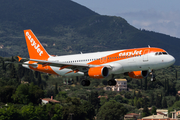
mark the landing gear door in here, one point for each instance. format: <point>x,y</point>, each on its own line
<point>145,55</point>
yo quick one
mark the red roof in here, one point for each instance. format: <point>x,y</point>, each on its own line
<point>51,100</point>
<point>161,113</point>
<point>132,114</point>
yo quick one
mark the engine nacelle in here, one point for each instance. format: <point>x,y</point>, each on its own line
<point>138,74</point>
<point>98,72</point>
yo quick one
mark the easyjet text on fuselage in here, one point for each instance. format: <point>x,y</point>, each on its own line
<point>130,53</point>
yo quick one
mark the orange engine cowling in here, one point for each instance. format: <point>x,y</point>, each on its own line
<point>138,74</point>
<point>98,72</point>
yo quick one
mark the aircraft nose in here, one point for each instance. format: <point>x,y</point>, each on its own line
<point>171,60</point>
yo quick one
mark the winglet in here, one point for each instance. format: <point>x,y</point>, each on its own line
<point>19,58</point>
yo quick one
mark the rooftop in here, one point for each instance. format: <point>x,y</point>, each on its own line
<point>50,100</point>
<point>120,79</point>
<point>132,114</point>
<point>155,117</point>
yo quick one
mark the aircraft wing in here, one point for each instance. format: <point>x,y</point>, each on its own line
<point>61,65</point>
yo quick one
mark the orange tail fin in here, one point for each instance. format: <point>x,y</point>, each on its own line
<point>35,49</point>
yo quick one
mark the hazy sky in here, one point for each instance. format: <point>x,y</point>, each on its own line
<point>161,16</point>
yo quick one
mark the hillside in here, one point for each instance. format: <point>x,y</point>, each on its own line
<point>66,27</point>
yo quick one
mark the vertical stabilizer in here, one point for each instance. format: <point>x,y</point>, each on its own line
<point>35,49</point>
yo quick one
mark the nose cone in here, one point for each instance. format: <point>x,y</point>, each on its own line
<point>171,60</point>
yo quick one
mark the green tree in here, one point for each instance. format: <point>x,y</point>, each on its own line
<point>89,110</point>
<point>135,101</point>
<point>94,100</point>
<point>138,104</point>
<point>145,111</point>
<point>5,93</point>
<point>134,94</point>
<point>111,110</point>
<point>3,65</point>
<point>31,77</point>
<point>141,84</point>
<point>164,103</point>
<point>118,98</point>
<point>21,71</point>
<point>105,82</point>
<point>128,95</point>
<point>28,93</point>
<point>58,115</point>
<point>151,99</point>
<point>35,93</point>
<point>41,112</point>
<point>176,76</point>
<point>103,100</point>
<point>165,85</point>
<point>13,73</point>
<point>177,97</point>
<point>168,87</point>
<point>158,101</point>
<point>28,112</point>
<point>22,94</point>
<point>73,107</point>
<point>145,83</point>
<point>55,89</point>
<point>9,113</point>
<point>153,111</point>
<point>61,96</point>
<point>139,95</point>
<point>176,105</point>
<point>39,79</point>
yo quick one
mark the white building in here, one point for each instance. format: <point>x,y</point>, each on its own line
<point>121,85</point>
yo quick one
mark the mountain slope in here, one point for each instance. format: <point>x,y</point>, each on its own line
<point>65,27</point>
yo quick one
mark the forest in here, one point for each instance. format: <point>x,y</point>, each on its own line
<point>20,100</point>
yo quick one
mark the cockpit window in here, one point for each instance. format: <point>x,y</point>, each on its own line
<point>164,53</point>
<point>161,53</point>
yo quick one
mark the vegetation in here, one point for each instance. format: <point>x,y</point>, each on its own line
<point>21,100</point>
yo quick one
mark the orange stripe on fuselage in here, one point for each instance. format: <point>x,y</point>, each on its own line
<point>125,54</point>
<point>42,68</point>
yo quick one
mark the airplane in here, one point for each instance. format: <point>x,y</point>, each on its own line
<point>136,63</point>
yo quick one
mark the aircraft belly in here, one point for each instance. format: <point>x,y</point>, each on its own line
<point>129,65</point>
<point>117,68</point>
<point>66,72</point>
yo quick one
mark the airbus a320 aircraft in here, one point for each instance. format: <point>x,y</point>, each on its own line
<point>137,62</point>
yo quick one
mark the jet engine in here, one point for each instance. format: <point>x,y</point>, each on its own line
<point>138,74</point>
<point>98,72</point>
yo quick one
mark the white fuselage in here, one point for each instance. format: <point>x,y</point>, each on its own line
<point>136,63</point>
